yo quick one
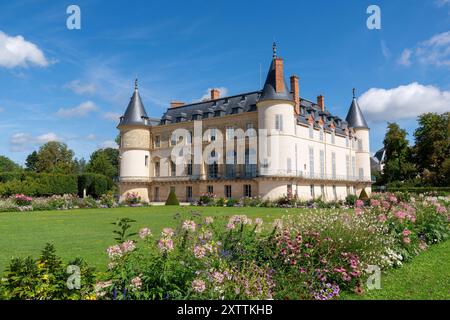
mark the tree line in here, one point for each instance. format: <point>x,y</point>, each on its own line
<point>426,162</point>
<point>55,157</point>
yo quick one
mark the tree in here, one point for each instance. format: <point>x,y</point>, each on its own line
<point>398,166</point>
<point>31,161</point>
<point>80,165</point>
<point>7,165</point>
<point>104,161</point>
<point>432,147</point>
<point>55,157</point>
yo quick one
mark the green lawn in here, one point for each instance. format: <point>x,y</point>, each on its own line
<point>87,233</point>
<point>427,277</point>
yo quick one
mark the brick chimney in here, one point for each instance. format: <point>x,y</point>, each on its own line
<point>295,91</point>
<point>279,75</point>
<point>321,102</point>
<point>215,94</point>
<point>176,104</point>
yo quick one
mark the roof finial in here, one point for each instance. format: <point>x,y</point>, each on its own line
<point>135,84</point>
<point>354,93</point>
<point>274,49</point>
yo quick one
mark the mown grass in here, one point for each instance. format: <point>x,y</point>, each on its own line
<point>87,233</point>
<point>427,277</point>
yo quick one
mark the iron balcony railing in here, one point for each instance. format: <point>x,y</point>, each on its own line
<point>250,175</point>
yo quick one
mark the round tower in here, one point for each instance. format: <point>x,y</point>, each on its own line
<point>134,149</point>
<point>276,117</point>
<point>355,119</point>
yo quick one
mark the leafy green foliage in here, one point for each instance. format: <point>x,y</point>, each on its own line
<point>105,162</point>
<point>123,225</point>
<point>7,165</point>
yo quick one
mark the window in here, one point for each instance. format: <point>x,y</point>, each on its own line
<point>279,122</point>
<point>333,165</point>
<point>213,170</point>
<point>333,137</point>
<point>361,174</point>
<point>347,166</point>
<point>311,131</point>
<point>228,192</point>
<point>189,168</point>
<point>173,169</point>
<point>230,133</point>
<point>321,134</point>
<point>289,165</point>
<point>360,145</point>
<point>157,169</point>
<point>353,143</point>
<point>251,132</point>
<point>311,188</point>
<point>146,161</point>
<point>347,142</point>
<point>348,191</point>
<point>189,193</point>
<point>353,167</point>
<point>289,190</point>
<point>210,189</point>
<point>213,134</point>
<point>157,141</point>
<point>250,163</point>
<point>322,164</point>
<point>156,194</point>
<point>247,190</point>
<point>311,162</point>
<point>173,140</point>
<point>322,192</point>
<point>334,193</point>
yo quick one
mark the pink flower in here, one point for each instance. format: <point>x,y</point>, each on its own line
<point>400,215</point>
<point>393,199</point>
<point>128,246</point>
<point>374,203</point>
<point>382,218</point>
<point>199,252</point>
<point>189,225</point>
<point>209,220</point>
<point>136,283</point>
<point>218,277</point>
<point>114,252</point>
<point>441,209</point>
<point>165,245</point>
<point>198,285</point>
<point>144,233</point>
<point>358,211</point>
<point>407,240</point>
<point>385,204</point>
<point>359,203</point>
<point>406,232</point>
<point>167,232</point>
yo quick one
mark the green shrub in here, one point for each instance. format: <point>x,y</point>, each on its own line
<point>94,184</point>
<point>351,199</point>
<point>172,199</point>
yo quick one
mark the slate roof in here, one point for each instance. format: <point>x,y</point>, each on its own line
<point>355,118</point>
<point>269,92</point>
<point>135,113</point>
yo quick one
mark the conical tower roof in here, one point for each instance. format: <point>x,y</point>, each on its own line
<point>269,91</point>
<point>135,113</point>
<point>355,117</point>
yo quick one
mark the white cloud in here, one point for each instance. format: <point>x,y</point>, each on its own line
<point>112,116</point>
<point>434,51</point>
<point>108,144</point>
<point>24,141</point>
<point>81,88</point>
<point>207,95</point>
<point>403,102</point>
<point>79,111</point>
<point>385,49</point>
<point>405,58</point>
<point>16,51</point>
<point>91,137</point>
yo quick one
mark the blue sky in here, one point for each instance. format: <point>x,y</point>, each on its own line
<point>70,85</point>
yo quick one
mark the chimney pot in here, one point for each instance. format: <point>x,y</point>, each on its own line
<point>176,104</point>
<point>279,75</point>
<point>215,94</point>
<point>321,102</point>
<point>295,90</point>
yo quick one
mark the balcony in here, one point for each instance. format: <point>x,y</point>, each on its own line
<point>312,176</point>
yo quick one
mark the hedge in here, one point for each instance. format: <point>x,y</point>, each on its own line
<point>47,184</point>
<point>419,189</point>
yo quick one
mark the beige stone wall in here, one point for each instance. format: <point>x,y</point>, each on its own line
<point>140,189</point>
<point>135,138</point>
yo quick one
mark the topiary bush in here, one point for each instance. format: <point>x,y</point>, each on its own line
<point>172,199</point>
<point>363,195</point>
